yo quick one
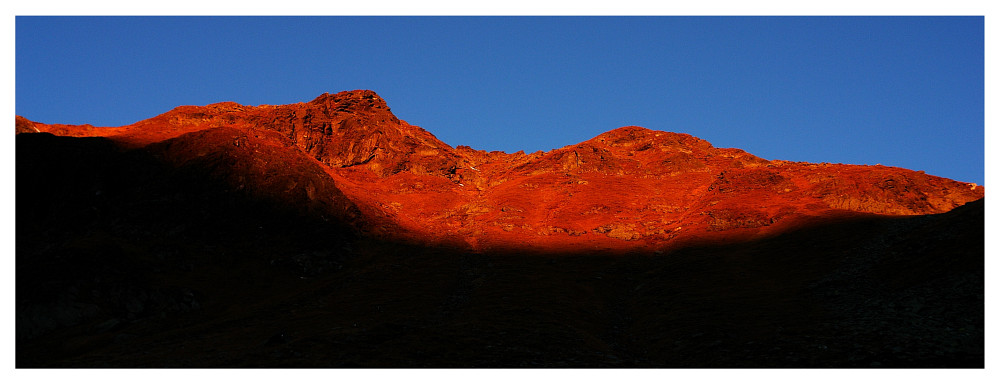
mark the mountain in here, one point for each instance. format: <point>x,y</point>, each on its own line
<point>634,248</point>
<point>625,189</point>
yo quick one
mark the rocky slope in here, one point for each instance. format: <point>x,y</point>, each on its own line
<point>332,234</point>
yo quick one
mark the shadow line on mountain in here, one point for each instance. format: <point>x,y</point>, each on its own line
<point>125,261</point>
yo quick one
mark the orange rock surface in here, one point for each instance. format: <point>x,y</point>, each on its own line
<point>345,156</point>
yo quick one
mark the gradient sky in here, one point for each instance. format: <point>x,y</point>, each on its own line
<point>899,91</point>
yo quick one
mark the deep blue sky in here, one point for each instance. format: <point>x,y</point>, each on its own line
<point>900,91</point>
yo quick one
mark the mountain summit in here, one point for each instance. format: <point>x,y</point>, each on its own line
<point>629,188</point>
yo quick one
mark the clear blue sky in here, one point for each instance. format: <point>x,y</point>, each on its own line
<point>900,91</point>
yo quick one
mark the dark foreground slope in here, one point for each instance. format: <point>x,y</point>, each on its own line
<point>127,258</point>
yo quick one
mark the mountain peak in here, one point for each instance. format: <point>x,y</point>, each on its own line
<point>633,136</point>
<point>356,100</point>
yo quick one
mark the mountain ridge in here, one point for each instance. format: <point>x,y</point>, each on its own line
<point>630,187</point>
